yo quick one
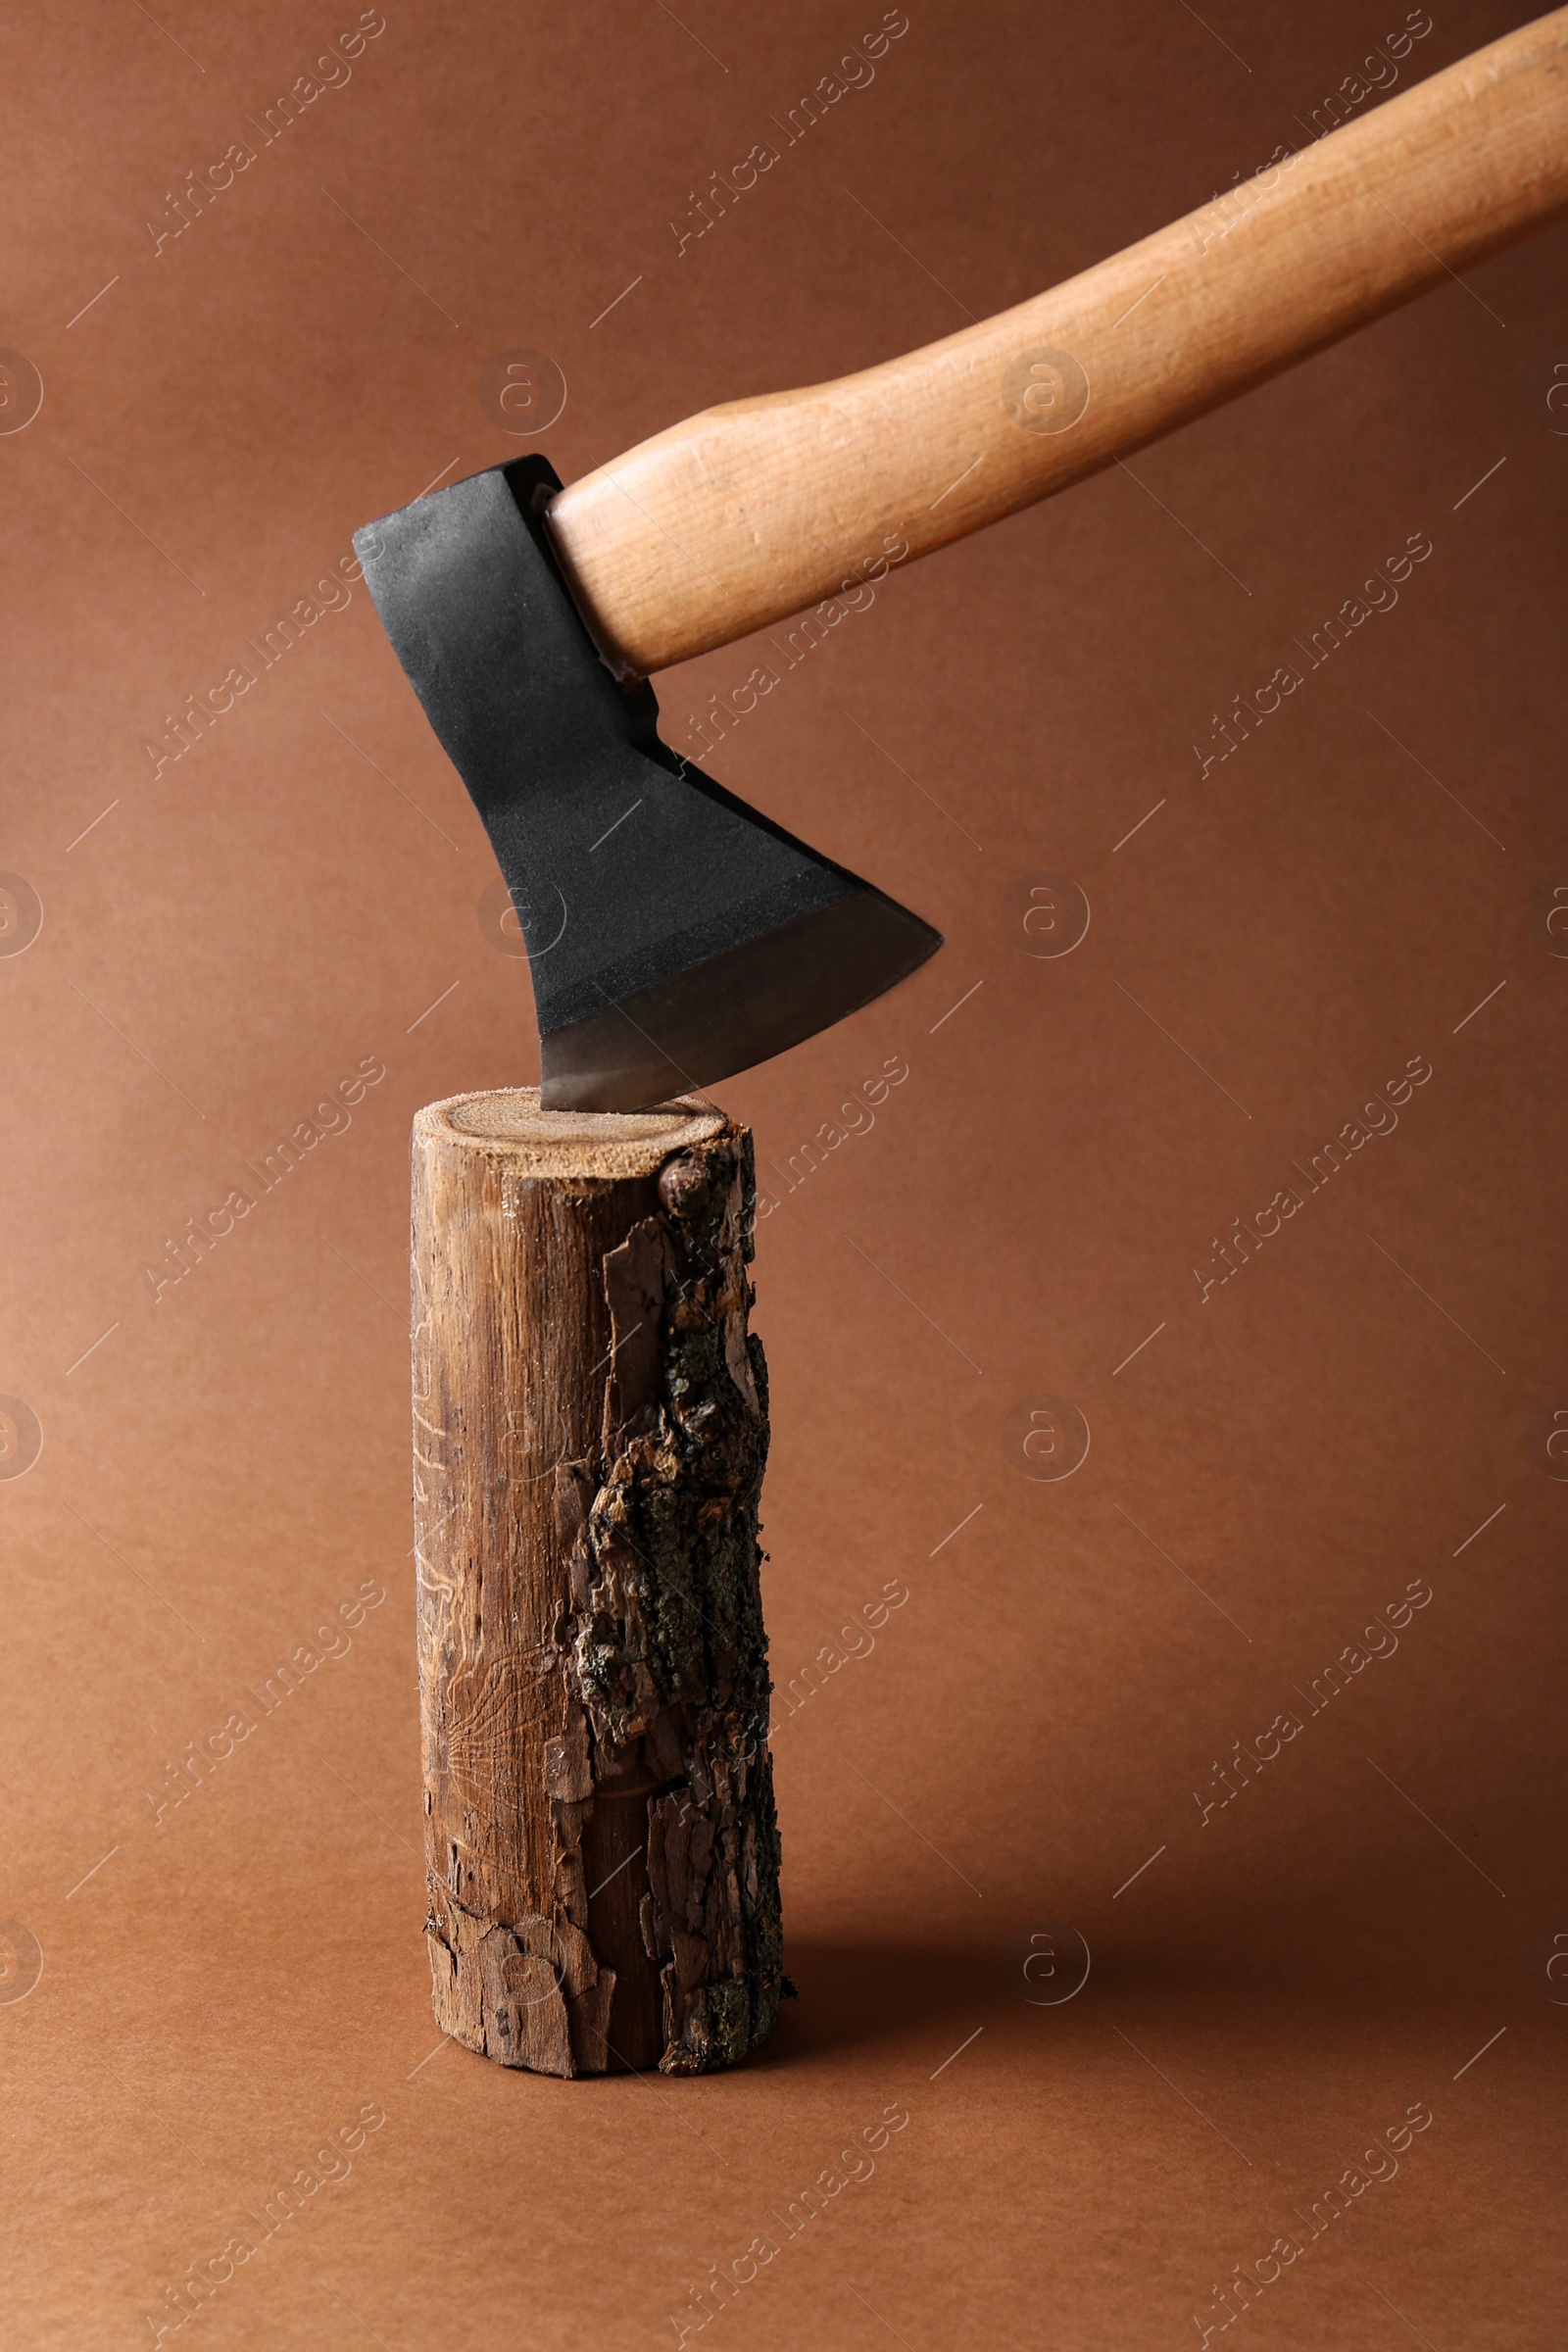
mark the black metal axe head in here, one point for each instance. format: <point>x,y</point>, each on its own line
<point>674,936</point>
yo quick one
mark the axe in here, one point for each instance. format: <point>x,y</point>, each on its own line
<point>675,935</point>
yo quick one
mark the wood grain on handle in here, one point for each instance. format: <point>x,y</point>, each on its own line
<point>755,510</point>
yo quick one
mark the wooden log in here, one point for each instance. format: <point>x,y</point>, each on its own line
<point>590,1430</point>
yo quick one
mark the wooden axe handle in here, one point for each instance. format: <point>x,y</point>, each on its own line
<point>759,508</point>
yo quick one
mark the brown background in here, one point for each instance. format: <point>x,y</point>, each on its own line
<point>1284,1980</point>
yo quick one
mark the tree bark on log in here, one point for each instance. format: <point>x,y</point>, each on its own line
<point>590,1430</point>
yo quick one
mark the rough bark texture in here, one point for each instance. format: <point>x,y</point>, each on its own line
<point>590,1430</point>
